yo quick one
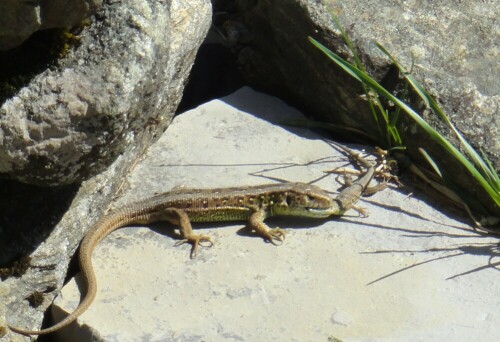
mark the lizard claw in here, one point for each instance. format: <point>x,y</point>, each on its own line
<point>362,211</point>
<point>195,240</point>
<point>275,235</point>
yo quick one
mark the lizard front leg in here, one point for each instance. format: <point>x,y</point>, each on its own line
<point>256,221</point>
<point>181,219</point>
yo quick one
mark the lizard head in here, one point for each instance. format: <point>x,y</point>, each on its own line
<point>304,200</point>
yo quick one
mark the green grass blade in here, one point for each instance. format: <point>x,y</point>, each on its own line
<point>496,179</point>
<point>487,172</point>
<point>348,67</point>
<point>365,78</point>
<point>431,162</point>
<point>350,45</point>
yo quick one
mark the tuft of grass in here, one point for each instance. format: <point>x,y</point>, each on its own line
<point>389,135</point>
<point>477,164</point>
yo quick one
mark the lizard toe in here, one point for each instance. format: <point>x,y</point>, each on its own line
<point>276,236</point>
<point>196,240</point>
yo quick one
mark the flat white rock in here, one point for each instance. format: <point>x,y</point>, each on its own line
<point>405,273</point>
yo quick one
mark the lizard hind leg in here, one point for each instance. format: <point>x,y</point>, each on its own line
<point>181,219</point>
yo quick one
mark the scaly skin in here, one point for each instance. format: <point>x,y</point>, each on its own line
<point>180,207</point>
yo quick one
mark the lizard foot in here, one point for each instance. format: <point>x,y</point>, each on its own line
<point>195,240</point>
<point>362,211</point>
<point>274,236</point>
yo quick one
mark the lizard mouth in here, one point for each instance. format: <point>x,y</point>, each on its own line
<point>321,212</point>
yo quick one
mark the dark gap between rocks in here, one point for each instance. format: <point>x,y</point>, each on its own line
<point>27,216</point>
<point>214,74</point>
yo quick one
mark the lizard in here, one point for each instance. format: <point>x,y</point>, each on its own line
<point>182,206</point>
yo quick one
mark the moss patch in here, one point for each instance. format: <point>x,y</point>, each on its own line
<point>39,52</point>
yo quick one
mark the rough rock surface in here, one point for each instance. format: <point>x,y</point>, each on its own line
<point>20,19</point>
<point>50,237</point>
<point>456,53</point>
<point>119,87</point>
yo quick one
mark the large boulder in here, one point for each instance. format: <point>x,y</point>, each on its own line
<point>117,88</point>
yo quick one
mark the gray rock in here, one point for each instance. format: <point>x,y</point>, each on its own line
<point>20,19</point>
<point>117,89</point>
<point>162,63</point>
<point>455,45</point>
